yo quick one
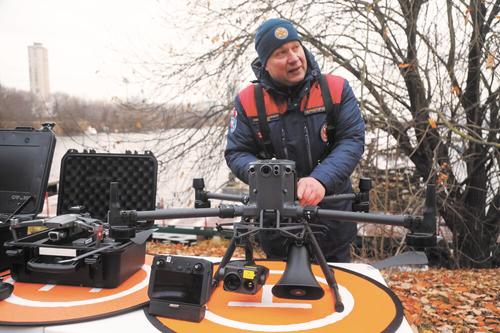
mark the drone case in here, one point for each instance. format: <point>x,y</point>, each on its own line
<point>84,188</point>
<point>85,180</point>
<point>37,258</point>
<point>25,159</point>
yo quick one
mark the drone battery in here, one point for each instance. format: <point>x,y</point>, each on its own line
<point>25,159</point>
<point>179,287</point>
<point>83,241</point>
<point>85,179</point>
<point>188,312</point>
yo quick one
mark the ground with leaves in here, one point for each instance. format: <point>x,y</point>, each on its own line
<point>434,300</point>
<point>438,300</point>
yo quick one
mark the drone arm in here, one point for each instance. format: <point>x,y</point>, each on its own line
<point>202,197</point>
<point>58,222</point>
<point>339,197</point>
<point>422,228</point>
<point>224,211</point>
<point>361,200</point>
<point>15,224</point>
<point>397,220</point>
<point>228,197</point>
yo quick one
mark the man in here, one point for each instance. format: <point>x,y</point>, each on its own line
<point>295,127</point>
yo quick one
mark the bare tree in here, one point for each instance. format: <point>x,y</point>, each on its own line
<point>15,105</point>
<point>426,73</point>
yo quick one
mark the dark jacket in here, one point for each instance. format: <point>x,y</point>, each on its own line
<point>296,136</point>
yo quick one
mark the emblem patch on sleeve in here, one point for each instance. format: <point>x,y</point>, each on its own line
<point>233,122</point>
<point>323,134</point>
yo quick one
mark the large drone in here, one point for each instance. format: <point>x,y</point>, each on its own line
<point>271,206</point>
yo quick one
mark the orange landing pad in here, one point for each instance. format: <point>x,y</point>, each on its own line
<point>44,304</point>
<point>369,307</point>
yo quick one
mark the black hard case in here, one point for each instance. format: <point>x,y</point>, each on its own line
<point>25,160</point>
<point>85,177</point>
<point>106,269</point>
<point>84,181</point>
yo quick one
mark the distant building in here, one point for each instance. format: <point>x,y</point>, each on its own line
<point>39,71</point>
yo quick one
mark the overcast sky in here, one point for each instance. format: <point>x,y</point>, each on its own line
<point>91,44</point>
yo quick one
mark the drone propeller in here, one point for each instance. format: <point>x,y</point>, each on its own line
<point>403,259</point>
<point>142,236</point>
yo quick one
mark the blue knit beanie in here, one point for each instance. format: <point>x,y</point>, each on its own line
<point>272,34</point>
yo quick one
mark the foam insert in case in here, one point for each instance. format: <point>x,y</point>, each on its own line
<point>85,181</point>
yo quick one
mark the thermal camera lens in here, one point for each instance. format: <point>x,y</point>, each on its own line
<point>232,282</point>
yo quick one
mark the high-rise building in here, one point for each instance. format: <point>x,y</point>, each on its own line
<point>39,70</point>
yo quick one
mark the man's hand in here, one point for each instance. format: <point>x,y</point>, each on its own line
<point>310,191</point>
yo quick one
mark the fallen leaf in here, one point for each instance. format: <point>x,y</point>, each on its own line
<point>490,60</point>
<point>456,90</point>
<point>432,122</point>
<point>491,307</point>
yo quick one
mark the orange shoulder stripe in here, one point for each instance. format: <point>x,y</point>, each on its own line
<point>336,85</point>
<point>315,100</point>
<point>247,99</point>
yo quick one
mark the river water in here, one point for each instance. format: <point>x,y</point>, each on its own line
<point>174,185</point>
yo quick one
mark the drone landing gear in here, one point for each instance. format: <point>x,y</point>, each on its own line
<point>298,281</point>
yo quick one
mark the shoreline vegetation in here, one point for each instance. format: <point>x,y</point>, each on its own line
<point>73,115</point>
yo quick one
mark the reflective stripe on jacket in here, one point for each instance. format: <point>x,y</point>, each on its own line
<point>312,104</point>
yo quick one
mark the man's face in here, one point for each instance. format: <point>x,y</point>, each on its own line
<point>287,64</point>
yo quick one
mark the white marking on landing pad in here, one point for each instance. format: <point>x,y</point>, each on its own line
<point>13,299</point>
<point>95,290</point>
<point>267,301</point>
<point>47,287</point>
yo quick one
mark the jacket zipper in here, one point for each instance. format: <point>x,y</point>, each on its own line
<point>308,146</point>
<point>283,142</point>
